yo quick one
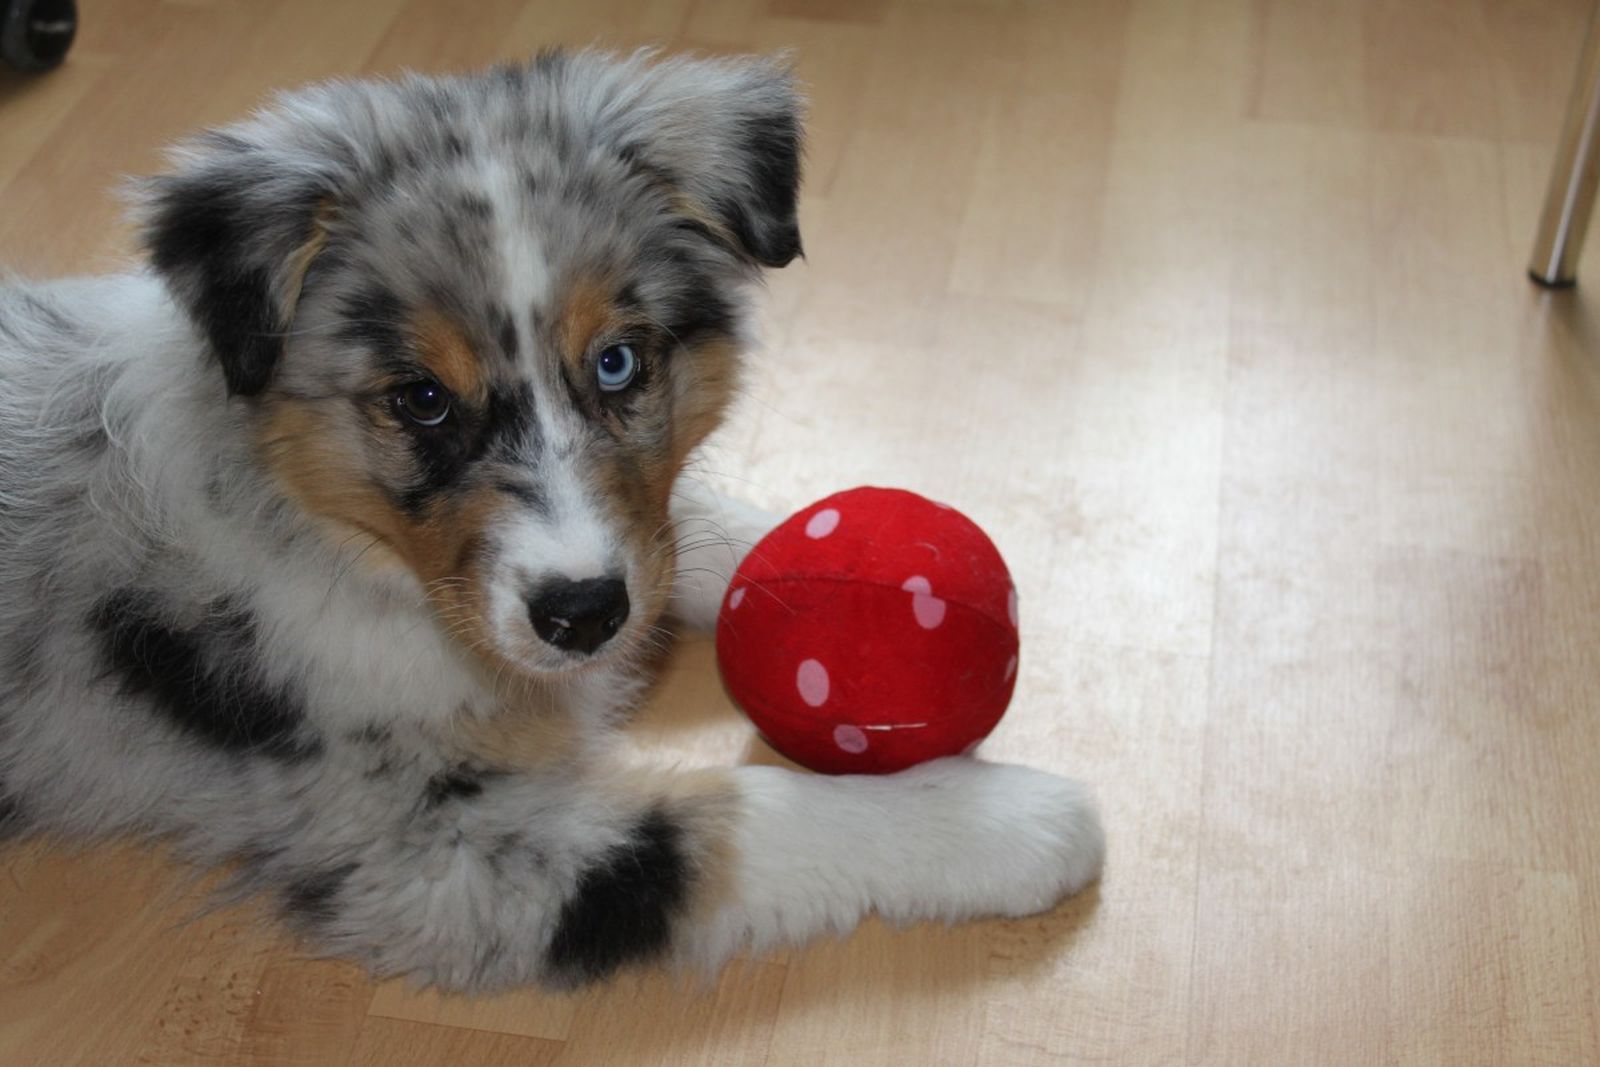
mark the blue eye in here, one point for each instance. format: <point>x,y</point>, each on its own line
<point>616,368</point>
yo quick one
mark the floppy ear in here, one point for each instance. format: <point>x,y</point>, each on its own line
<point>727,133</point>
<point>232,230</point>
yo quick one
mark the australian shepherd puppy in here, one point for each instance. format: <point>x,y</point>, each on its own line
<point>333,543</point>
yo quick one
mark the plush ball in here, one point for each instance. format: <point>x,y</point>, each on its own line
<point>871,631</point>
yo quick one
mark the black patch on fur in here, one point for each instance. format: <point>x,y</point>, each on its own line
<point>703,313</point>
<point>698,308</point>
<point>506,844</point>
<point>333,260</point>
<point>461,782</point>
<point>509,424</point>
<point>374,318</point>
<point>92,441</point>
<point>375,741</point>
<point>200,680</point>
<point>439,453</point>
<point>761,218</point>
<point>505,427</point>
<point>10,814</point>
<point>512,75</point>
<point>239,319</point>
<point>383,167</point>
<point>465,244</point>
<point>311,898</point>
<point>202,234</point>
<point>515,848</point>
<point>552,61</point>
<point>505,332</point>
<point>475,206</point>
<point>764,221</point>
<point>623,908</point>
<point>373,734</point>
<point>627,299</point>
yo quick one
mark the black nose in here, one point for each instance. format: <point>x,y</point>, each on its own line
<point>579,616</point>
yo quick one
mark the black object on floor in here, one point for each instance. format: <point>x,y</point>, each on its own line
<point>35,34</point>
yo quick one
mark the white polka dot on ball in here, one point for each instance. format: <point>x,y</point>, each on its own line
<point>812,682</point>
<point>1011,668</point>
<point>852,739</point>
<point>1011,605</point>
<point>926,608</point>
<point>736,598</point>
<point>822,523</point>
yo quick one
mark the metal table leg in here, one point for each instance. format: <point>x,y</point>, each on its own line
<point>1573,176</point>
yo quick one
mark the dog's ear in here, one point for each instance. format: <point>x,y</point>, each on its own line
<point>232,230</point>
<point>727,133</point>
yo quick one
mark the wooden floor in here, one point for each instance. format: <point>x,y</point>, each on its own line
<point>1214,313</point>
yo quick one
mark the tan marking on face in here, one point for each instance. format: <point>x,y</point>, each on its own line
<point>703,387</point>
<point>320,454</point>
<point>448,355</point>
<point>588,309</point>
<point>316,452</point>
<point>634,492</point>
<point>438,546</point>
<point>316,458</point>
<point>702,384</point>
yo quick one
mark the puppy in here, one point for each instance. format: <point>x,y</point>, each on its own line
<point>335,540</point>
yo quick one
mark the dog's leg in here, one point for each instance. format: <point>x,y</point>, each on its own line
<point>713,534</point>
<point>949,840</point>
<point>522,880</point>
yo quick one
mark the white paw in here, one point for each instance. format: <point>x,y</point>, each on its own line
<point>1019,840</point>
<point>949,840</point>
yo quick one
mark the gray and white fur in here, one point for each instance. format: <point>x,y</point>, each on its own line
<point>255,601</point>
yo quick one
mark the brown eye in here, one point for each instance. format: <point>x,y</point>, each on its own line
<point>424,403</point>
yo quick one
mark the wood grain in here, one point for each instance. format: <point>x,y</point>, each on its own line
<point>1212,312</point>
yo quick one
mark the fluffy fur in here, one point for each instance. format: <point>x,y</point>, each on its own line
<point>252,604</point>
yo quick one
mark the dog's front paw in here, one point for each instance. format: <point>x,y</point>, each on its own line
<point>1026,839</point>
<point>948,840</point>
<point>1053,838</point>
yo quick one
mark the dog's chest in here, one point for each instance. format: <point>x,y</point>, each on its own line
<point>362,660</point>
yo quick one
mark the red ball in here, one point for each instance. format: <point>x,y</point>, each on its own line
<point>869,632</point>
